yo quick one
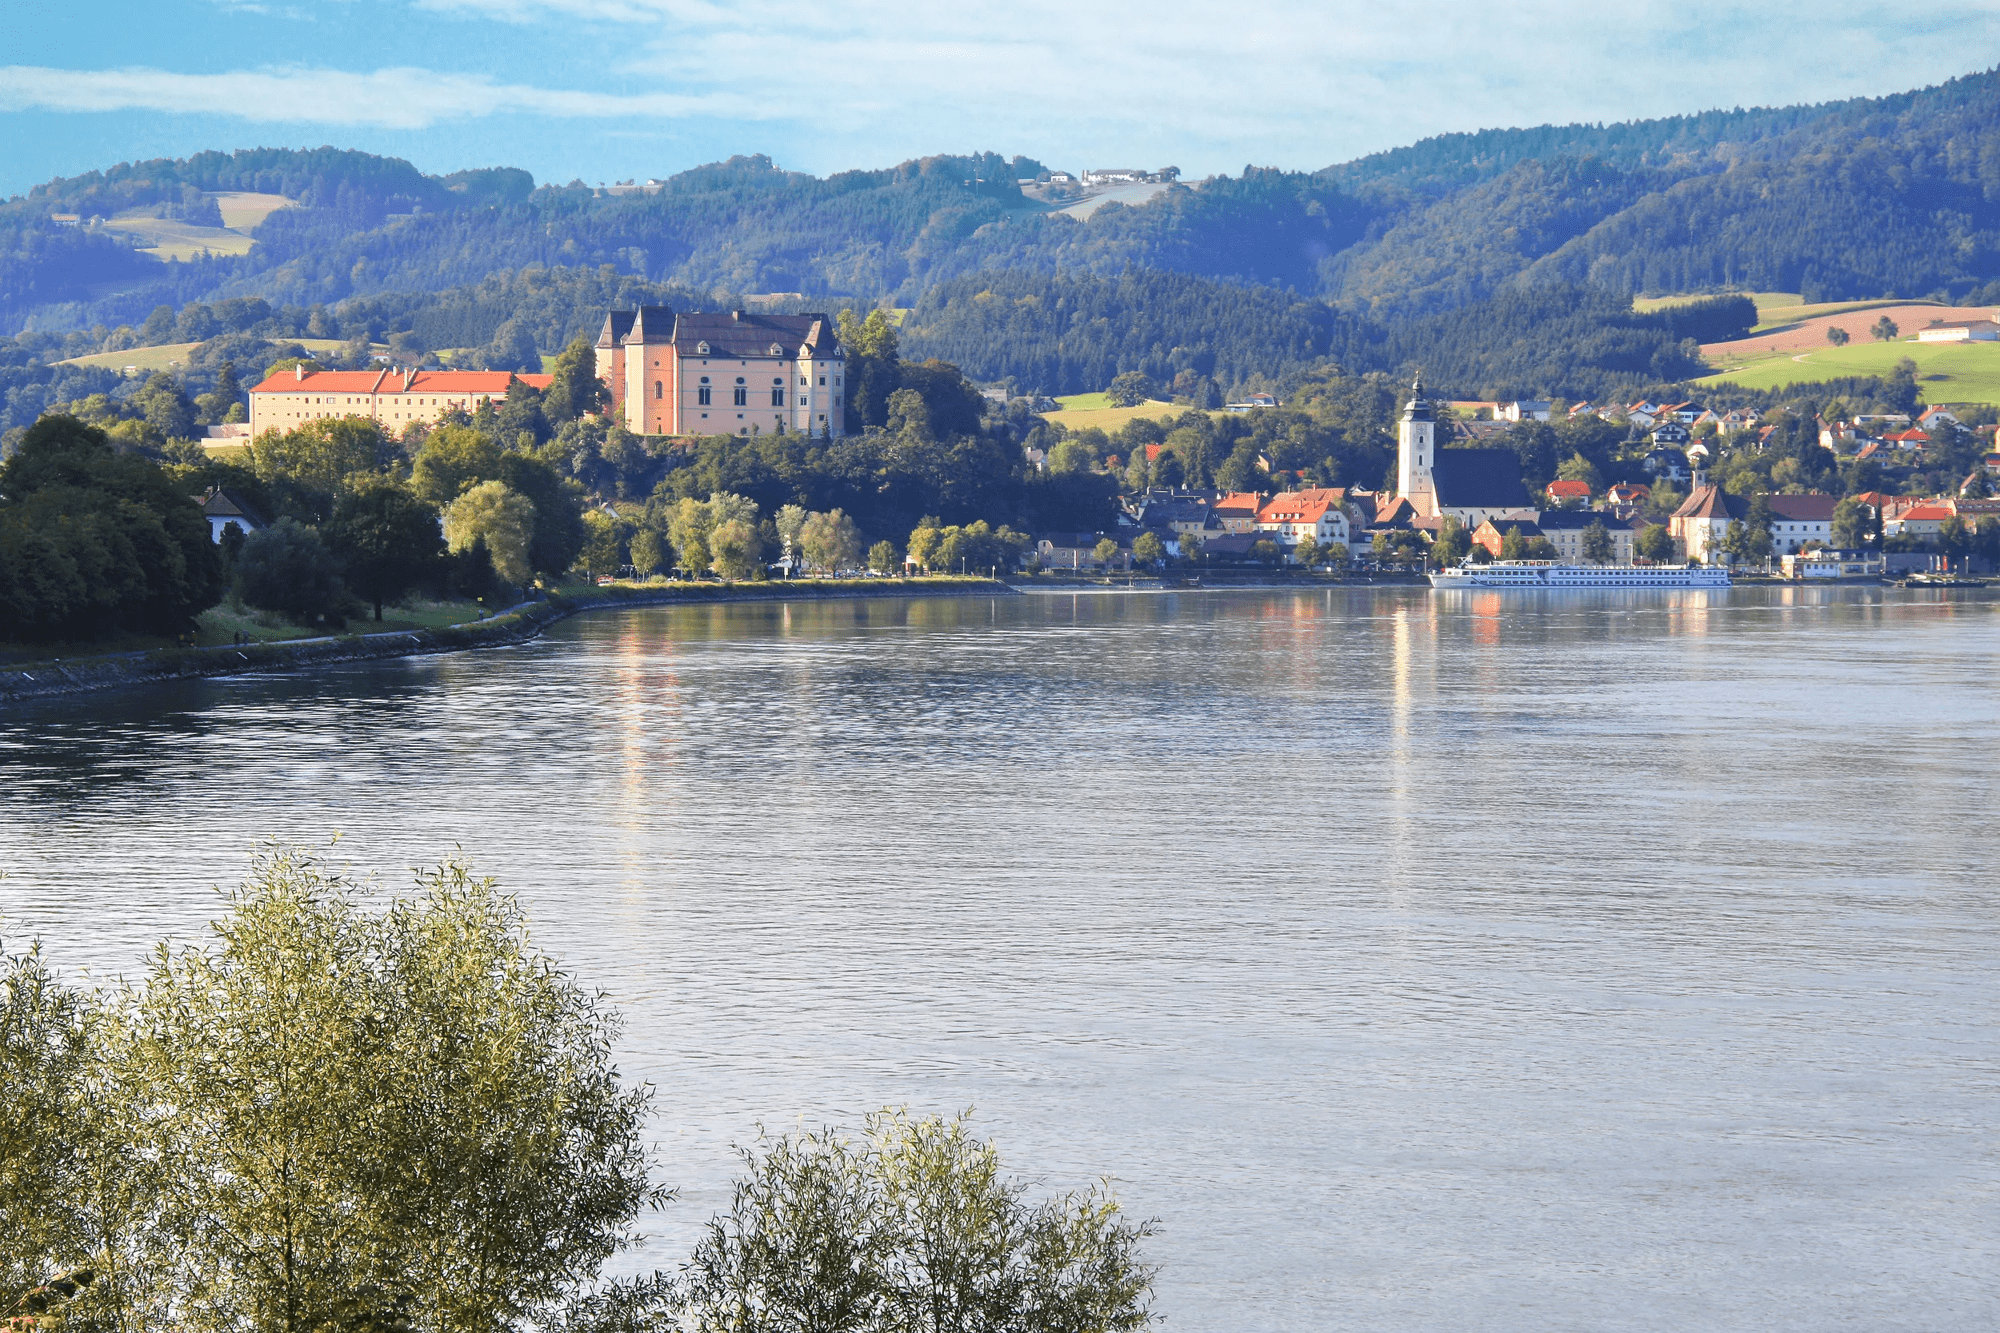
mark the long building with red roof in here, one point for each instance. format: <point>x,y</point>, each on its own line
<point>393,399</point>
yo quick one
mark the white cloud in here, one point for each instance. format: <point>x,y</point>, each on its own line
<point>403,99</point>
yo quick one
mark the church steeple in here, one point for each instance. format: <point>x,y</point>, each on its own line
<point>1416,449</point>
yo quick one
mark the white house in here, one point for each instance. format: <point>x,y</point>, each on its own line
<point>1959,331</point>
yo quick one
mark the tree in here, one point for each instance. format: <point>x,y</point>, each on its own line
<point>574,390</point>
<point>1884,329</point>
<point>1513,546</point>
<point>734,548</point>
<point>1654,543</point>
<point>923,542</point>
<point>1131,389</point>
<point>502,518</point>
<point>1150,551</point>
<point>1597,547</point>
<point>1453,543</point>
<point>320,455</point>
<point>520,416</point>
<point>348,1109</point>
<point>1953,541</point>
<point>93,541</point>
<point>831,541</point>
<point>452,460</point>
<point>385,539</point>
<point>287,568</point>
<point>914,1230</point>
<point>790,521</point>
<point>648,554</point>
<point>606,540</point>
<point>883,557</point>
<point>1836,335</point>
<point>559,533</point>
<point>1540,548</point>
<point>1855,524</point>
<point>1105,552</point>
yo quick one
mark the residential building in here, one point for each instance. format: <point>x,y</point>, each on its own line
<point>1798,519</point>
<point>1253,401</point>
<point>1297,515</point>
<point>1563,492</point>
<point>393,399</point>
<point>732,373</point>
<point>1923,520</point>
<point>1237,511</point>
<point>1629,493</point>
<point>1492,533</point>
<point>221,508</point>
<point>1565,530</point>
<point>1702,521</point>
<point>1522,411</point>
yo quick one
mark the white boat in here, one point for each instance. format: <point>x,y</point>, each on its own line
<point>1554,574</point>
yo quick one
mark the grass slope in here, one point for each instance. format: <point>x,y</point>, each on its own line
<point>1094,409</point>
<point>168,355</point>
<point>181,240</point>
<point>1949,372</point>
<point>1776,310</point>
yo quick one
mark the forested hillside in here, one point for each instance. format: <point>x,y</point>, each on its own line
<point>1448,252</point>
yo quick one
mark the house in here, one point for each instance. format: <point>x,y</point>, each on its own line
<point>1563,492</point>
<point>1492,533</point>
<point>1174,516</point>
<point>1643,414</point>
<point>1629,493</point>
<point>1252,402</point>
<point>1671,435</point>
<point>1666,465</point>
<point>1923,520</point>
<point>1932,415</point>
<point>1908,439</point>
<point>1114,176</point>
<point>221,509</point>
<point>1958,331</point>
<point>392,399</point>
<point>1522,411</point>
<point>732,373</point>
<point>1565,530</point>
<point>1702,521</point>
<point>1078,550</point>
<point>1827,563</point>
<point>1297,515</point>
<point>1234,545</point>
<point>228,435</point>
<point>1237,511</point>
<point>1798,519</point>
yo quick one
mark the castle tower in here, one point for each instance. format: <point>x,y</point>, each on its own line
<point>1416,450</point>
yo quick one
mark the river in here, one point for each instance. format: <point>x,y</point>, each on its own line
<point>1587,961</point>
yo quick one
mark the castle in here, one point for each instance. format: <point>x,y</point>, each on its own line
<point>723,374</point>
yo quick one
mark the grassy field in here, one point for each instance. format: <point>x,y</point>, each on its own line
<point>168,239</point>
<point>242,211</point>
<point>1774,309</point>
<point>1095,409</point>
<point>168,355</point>
<point>1949,372</point>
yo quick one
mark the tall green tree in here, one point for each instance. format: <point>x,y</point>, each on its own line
<point>1597,546</point>
<point>385,538</point>
<point>503,519</point>
<point>575,390</point>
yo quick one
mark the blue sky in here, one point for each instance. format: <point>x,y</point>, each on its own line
<point>612,89</point>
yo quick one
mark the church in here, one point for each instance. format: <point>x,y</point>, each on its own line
<point>731,373</point>
<point>1471,485</point>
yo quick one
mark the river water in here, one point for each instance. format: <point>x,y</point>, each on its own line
<point>1420,961</point>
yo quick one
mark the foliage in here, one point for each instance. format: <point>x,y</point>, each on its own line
<point>1654,543</point>
<point>915,1231</point>
<point>385,538</point>
<point>93,542</point>
<point>287,568</point>
<point>501,518</point>
<point>830,541</point>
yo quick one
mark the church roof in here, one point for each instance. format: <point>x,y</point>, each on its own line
<point>1479,479</point>
<point>1711,501</point>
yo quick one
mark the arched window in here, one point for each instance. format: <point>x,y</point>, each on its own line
<point>659,389</point>
<point>742,392</point>
<point>778,396</point>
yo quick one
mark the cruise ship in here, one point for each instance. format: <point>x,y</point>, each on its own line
<point>1553,574</point>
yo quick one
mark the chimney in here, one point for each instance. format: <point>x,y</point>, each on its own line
<point>735,316</point>
<point>299,371</point>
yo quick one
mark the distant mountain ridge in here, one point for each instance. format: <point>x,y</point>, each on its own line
<point>1887,196</point>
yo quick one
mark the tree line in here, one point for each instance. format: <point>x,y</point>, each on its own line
<point>333,1114</point>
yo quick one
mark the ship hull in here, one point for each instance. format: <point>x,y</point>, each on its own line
<point>1547,576</point>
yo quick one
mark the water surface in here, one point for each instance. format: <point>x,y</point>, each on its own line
<point>1577,961</point>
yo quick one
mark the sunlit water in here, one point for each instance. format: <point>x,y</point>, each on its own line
<point>1587,961</point>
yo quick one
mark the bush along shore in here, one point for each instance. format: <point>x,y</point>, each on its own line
<point>516,624</point>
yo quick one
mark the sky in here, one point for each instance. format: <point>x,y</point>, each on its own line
<point>607,90</point>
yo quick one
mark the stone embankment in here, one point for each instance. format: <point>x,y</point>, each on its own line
<point>517,624</point>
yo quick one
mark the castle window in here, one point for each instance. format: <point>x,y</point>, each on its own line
<point>777,397</point>
<point>742,394</point>
<point>702,394</point>
<point>659,390</point>
<point>822,381</point>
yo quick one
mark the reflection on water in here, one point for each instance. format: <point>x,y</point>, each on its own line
<point>1594,960</point>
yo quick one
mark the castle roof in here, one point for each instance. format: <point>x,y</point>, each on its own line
<point>617,323</point>
<point>737,334</point>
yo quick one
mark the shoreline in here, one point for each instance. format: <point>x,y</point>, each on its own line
<point>514,625</point>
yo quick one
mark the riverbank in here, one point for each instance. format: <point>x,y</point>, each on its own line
<point>516,624</point>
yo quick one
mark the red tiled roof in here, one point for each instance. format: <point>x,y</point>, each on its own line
<point>1928,514</point>
<point>1238,504</point>
<point>1298,506</point>
<point>1564,490</point>
<point>387,382</point>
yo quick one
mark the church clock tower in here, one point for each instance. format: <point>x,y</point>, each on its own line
<point>1416,450</point>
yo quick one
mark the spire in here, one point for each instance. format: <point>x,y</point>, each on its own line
<point>1417,409</point>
